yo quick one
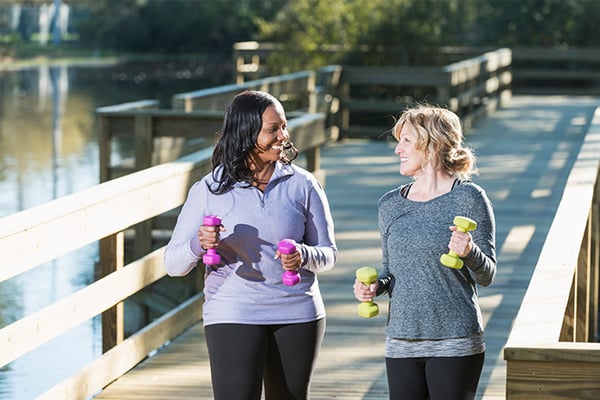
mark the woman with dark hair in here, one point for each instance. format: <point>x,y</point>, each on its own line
<point>259,329</point>
<point>434,347</point>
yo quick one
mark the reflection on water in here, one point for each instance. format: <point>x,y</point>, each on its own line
<point>48,149</point>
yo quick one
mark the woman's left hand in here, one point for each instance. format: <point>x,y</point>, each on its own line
<point>460,242</point>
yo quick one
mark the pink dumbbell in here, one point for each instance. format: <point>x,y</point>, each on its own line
<point>288,246</point>
<point>211,257</point>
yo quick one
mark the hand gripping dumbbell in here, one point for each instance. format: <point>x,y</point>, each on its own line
<point>367,275</point>
<point>451,259</point>
<point>288,246</point>
<point>211,257</point>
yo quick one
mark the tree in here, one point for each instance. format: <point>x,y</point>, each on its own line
<point>170,26</point>
<point>544,23</point>
<point>381,32</point>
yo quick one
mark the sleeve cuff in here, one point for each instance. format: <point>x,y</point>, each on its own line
<point>195,247</point>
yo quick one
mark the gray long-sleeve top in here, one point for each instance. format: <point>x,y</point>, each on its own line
<point>247,286</point>
<point>427,299</point>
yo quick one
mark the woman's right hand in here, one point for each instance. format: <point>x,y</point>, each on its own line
<point>209,236</point>
<point>364,292</point>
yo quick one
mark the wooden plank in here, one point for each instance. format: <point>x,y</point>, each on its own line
<point>557,74</point>
<point>217,98</point>
<point>192,125</point>
<point>566,55</point>
<point>171,123</point>
<point>390,76</point>
<point>134,105</point>
<point>533,380</point>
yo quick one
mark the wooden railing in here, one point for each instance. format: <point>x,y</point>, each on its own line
<point>249,59</point>
<point>369,98</point>
<point>299,92</point>
<point>162,135</point>
<point>157,135</point>
<point>549,353</point>
<point>103,213</point>
<point>566,71</point>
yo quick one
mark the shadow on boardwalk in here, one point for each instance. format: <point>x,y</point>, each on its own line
<point>525,152</point>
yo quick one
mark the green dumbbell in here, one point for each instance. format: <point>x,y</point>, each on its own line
<point>367,275</point>
<point>451,259</point>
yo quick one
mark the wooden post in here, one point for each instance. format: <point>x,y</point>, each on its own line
<point>567,332</point>
<point>345,114</point>
<point>104,145</point>
<point>594,221</point>
<point>312,94</point>
<point>582,297</point>
<point>313,159</point>
<point>112,258</point>
<point>144,151</point>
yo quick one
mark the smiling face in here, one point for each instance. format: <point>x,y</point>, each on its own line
<point>411,159</point>
<point>272,133</point>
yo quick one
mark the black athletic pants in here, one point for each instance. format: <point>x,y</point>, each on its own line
<point>242,356</point>
<point>435,378</point>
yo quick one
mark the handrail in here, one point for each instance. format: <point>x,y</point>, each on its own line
<point>548,352</point>
<point>471,88</point>
<point>216,98</point>
<point>134,105</point>
<point>567,71</point>
<point>300,92</point>
<point>102,213</point>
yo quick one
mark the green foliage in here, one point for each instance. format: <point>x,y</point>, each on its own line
<point>316,32</point>
<point>169,26</point>
<point>367,32</point>
<point>545,23</point>
<point>410,32</point>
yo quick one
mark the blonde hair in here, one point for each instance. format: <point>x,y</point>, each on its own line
<point>440,138</point>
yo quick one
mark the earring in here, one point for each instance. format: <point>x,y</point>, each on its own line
<point>288,153</point>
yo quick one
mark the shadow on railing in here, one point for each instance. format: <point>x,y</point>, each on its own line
<point>103,213</point>
<point>549,353</point>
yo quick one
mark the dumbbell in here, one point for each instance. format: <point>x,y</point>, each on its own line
<point>367,275</point>
<point>288,246</point>
<point>451,259</point>
<point>211,257</point>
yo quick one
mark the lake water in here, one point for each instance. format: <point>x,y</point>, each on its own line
<point>48,149</point>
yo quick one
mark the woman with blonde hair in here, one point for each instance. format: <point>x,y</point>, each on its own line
<point>434,345</point>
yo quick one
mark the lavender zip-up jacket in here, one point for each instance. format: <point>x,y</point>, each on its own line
<point>247,286</point>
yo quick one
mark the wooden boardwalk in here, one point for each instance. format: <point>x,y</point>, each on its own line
<point>525,152</point>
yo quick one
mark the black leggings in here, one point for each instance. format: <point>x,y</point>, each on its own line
<point>435,378</point>
<point>241,356</point>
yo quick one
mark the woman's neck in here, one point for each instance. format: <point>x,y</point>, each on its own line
<point>263,172</point>
<point>431,185</point>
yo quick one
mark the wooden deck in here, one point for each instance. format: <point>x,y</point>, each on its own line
<point>524,151</point>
